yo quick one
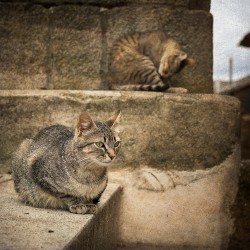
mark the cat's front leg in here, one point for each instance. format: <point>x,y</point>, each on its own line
<point>177,90</point>
<point>79,206</point>
<point>83,208</point>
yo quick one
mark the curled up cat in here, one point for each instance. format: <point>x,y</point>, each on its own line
<point>66,168</point>
<point>145,61</point>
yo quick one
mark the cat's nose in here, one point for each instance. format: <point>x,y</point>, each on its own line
<point>112,157</point>
<point>111,153</point>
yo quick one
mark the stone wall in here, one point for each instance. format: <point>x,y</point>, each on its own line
<point>49,44</point>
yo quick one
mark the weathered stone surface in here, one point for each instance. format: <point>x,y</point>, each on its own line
<point>75,47</point>
<point>179,209</point>
<point>56,48</point>
<point>182,132</point>
<point>23,43</point>
<point>193,29</point>
<point>25,227</point>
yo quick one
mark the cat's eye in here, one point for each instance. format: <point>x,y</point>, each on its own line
<point>117,144</point>
<point>99,144</point>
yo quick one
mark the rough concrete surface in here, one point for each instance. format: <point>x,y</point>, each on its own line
<point>23,57</point>
<point>75,47</point>
<point>40,51</point>
<point>179,208</point>
<point>24,227</point>
<point>170,131</point>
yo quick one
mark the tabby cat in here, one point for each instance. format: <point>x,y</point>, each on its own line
<point>67,169</point>
<point>145,61</point>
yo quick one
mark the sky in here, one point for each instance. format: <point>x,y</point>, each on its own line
<point>231,24</point>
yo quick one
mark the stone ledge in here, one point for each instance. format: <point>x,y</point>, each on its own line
<point>25,227</point>
<point>180,132</point>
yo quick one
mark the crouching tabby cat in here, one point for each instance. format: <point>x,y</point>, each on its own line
<point>63,168</point>
<point>145,61</point>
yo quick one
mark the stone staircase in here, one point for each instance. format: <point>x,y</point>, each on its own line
<point>180,155</point>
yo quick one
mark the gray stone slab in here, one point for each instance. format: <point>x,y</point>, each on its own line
<point>193,29</point>
<point>170,131</point>
<point>25,227</point>
<point>75,47</point>
<point>23,43</point>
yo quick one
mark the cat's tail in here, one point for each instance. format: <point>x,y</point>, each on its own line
<point>22,162</point>
<point>20,154</point>
<point>19,166</point>
<point>28,191</point>
<point>159,87</point>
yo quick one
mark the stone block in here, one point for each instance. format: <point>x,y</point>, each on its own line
<point>23,42</point>
<point>25,227</point>
<point>193,29</point>
<point>165,131</point>
<point>75,47</point>
<point>55,48</point>
<point>179,209</point>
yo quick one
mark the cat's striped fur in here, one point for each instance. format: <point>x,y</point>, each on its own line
<point>63,168</point>
<point>145,61</point>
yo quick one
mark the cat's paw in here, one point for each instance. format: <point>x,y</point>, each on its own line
<point>92,208</point>
<point>177,90</point>
<point>83,209</point>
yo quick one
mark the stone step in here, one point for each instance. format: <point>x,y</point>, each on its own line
<point>171,131</point>
<point>29,228</point>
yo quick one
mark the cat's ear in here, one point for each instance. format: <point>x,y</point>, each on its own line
<point>182,56</point>
<point>190,62</point>
<point>84,124</point>
<point>114,119</point>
